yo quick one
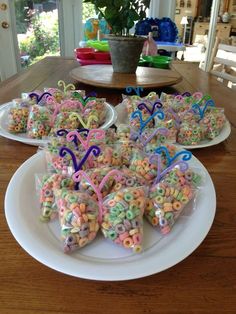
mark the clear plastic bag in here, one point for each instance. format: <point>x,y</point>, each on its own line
<point>166,203</point>
<point>168,198</point>
<point>39,122</point>
<point>45,186</point>
<point>17,119</point>
<point>123,217</point>
<point>189,133</point>
<point>212,122</point>
<point>78,215</point>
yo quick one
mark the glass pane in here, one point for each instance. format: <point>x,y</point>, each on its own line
<point>88,11</point>
<point>37,29</point>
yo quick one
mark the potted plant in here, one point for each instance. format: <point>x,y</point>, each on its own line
<point>121,15</point>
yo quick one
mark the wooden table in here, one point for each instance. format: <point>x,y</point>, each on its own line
<point>205,282</point>
<point>103,76</point>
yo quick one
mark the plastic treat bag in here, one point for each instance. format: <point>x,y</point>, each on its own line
<point>172,126</point>
<point>212,122</point>
<point>150,139</point>
<point>166,203</point>
<point>123,217</point>
<point>189,116</point>
<point>173,189</point>
<point>39,122</point>
<point>78,215</point>
<point>128,179</point>
<point>189,133</point>
<point>141,164</point>
<point>110,156</point>
<point>95,112</point>
<point>45,186</point>
<point>17,119</point>
<point>67,120</point>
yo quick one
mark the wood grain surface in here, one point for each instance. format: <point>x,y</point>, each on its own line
<point>205,282</point>
<point>103,76</point>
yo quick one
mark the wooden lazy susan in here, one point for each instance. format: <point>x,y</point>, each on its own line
<point>103,76</point>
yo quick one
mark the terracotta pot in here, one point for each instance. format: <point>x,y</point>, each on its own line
<point>125,53</point>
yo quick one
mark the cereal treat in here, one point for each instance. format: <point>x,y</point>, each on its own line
<point>189,134</point>
<point>46,187</point>
<point>123,217</point>
<point>17,119</point>
<point>39,122</point>
<point>168,198</point>
<point>78,215</point>
<point>212,123</point>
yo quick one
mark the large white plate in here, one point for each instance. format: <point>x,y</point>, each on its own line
<point>102,260</point>
<point>122,118</point>
<point>4,109</point>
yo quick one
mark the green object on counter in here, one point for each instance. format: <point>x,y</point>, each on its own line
<point>162,62</point>
<point>100,45</point>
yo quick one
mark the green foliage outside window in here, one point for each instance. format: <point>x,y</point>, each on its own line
<point>41,34</point>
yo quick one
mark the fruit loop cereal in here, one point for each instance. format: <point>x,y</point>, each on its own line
<point>165,204</point>
<point>78,215</point>
<point>140,164</point>
<point>17,119</point>
<point>123,217</point>
<point>38,124</point>
<point>212,123</point>
<point>46,186</point>
<point>190,133</point>
<point>129,179</point>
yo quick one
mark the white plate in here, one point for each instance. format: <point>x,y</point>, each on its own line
<point>103,260</point>
<point>122,118</point>
<point>4,109</point>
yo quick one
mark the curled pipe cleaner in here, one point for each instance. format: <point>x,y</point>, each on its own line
<point>138,114</point>
<point>90,98</point>
<point>91,94</point>
<point>197,95</point>
<point>196,107</point>
<point>157,104</point>
<point>39,97</point>
<point>77,166</point>
<point>185,94</point>
<point>98,189</point>
<point>186,155</point>
<point>85,125</point>
<point>56,108</point>
<point>137,90</point>
<point>96,133</point>
<point>65,87</point>
<point>163,131</point>
<point>63,132</point>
